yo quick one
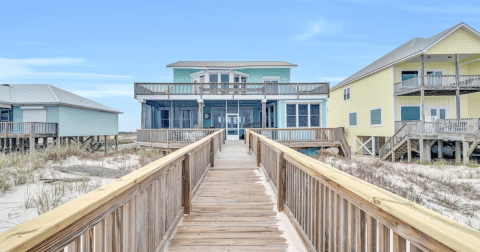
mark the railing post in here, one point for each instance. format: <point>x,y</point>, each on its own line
<point>186,200</point>
<point>212,154</point>
<point>281,178</point>
<point>298,90</point>
<point>259,152</point>
<point>32,137</point>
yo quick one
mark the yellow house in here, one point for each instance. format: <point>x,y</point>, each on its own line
<point>416,93</point>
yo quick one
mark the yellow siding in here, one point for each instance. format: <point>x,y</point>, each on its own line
<point>430,101</point>
<point>447,67</point>
<point>370,92</point>
<point>461,41</point>
<point>473,68</point>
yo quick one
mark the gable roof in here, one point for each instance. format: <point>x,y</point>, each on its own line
<point>44,94</point>
<point>406,51</point>
<point>229,64</point>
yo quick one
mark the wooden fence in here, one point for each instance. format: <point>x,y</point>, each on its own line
<point>303,135</point>
<point>172,136</point>
<point>27,128</point>
<point>137,212</point>
<point>334,211</point>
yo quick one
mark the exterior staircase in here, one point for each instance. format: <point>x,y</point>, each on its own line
<point>400,149</point>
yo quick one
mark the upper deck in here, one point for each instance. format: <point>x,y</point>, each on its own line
<point>436,85</point>
<point>233,90</point>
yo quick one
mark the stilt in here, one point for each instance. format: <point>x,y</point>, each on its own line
<point>422,150</point>
<point>458,152</point>
<point>466,158</point>
<point>428,152</point>
<point>32,144</point>
<point>116,143</point>
<point>105,144</point>
<point>409,150</point>
<point>374,152</point>
<point>440,148</point>
<point>57,141</point>
<point>21,144</point>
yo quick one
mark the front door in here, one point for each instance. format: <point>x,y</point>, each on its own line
<point>232,127</point>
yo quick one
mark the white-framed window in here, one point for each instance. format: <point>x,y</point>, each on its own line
<point>219,76</point>
<point>346,94</point>
<point>271,79</point>
<point>352,119</point>
<point>439,112</point>
<point>303,114</point>
<point>376,117</point>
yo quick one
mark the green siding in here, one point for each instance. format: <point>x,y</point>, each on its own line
<point>183,75</point>
<point>52,114</point>
<point>256,74</point>
<point>84,122</point>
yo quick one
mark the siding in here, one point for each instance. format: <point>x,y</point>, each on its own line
<point>52,114</point>
<point>256,74</point>
<point>370,92</point>
<point>430,101</point>
<point>183,75</point>
<point>448,67</point>
<point>83,122</point>
<point>461,41</point>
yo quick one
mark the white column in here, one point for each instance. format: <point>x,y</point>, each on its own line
<point>457,80</point>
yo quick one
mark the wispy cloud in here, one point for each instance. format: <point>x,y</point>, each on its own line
<point>31,69</point>
<point>101,91</point>
<point>463,9</point>
<point>321,26</point>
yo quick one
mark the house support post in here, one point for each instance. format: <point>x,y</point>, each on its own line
<point>421,148</point>
<point>458,153</point>
<point>428,151</point>
<point>116,143</point>
<point>466,159</point>
<point>264,114</point>
<point>143,115</point>
<point>105,144</point>
<point>200,114</point>
<point>409,150</point>
<point>32,138</point>
<point>457,80</point>
<point>440,148</point>
<point>374,152</point>
<point>57,141</point>
<point>422,91</point>
<point>186,197</point>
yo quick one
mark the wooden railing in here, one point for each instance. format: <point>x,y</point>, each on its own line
<point>231,88</point>
<point>137,212</point>
<point>27,128</point>
<point>307,135</point>
<point>437,82</point>
<point>173,135</point>
<point>334,211</point>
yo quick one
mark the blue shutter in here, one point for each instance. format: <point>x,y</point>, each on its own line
<point>376,117</point>
<point>410,113</point>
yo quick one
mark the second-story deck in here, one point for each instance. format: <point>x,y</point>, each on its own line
<point>239,90</point>
<point>436,85</point>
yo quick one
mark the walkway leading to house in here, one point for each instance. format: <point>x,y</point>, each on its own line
<point>234,210</point>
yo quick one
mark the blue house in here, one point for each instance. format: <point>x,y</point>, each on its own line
<point>232,95</point>
<point>39,111</point>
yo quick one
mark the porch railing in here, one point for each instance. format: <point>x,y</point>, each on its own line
<point>437,81</point>
<point>11,128</point>
<point>180,136</point>
<point>334,211</point>
<point>137,212</point>
<point>231,88</point>
<point>307,135</point>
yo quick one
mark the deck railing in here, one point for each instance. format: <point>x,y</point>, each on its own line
<point>315,134</point>
<point>137,212</point>
<point>334,211</point>
<point>179,136</point>
<point>19,128</point>
<point>231,88</point>
<point>437,82</point>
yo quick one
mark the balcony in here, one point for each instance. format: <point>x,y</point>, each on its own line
<point>436,85</point>
<point>260,89</point>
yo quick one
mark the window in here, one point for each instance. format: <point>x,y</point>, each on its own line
<point>352,119</point>
<point>346,94</point>
<point>314,115</point>
<point>291,115</point>
<point>433,77</point>
<point>376,117</point>
<point>214,78</point>
<point>4,115</point>
<point>440,113</point>
<point>164,119</point>
<point>410,113</point>
<point>224,78</point>
<point>406,75</point>
<point>303,115</point>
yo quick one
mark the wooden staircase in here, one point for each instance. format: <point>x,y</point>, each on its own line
<point>400,149</point>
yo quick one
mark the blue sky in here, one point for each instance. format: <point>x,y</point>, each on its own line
<point>97,49</point>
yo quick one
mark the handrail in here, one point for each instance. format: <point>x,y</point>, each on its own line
<point>242,88</point>
<point>128,207</point>
<point>10,128</point>
<point>333,209</point>
<point>172,135</point>
<point>313,134</point>
<point>437,82</point>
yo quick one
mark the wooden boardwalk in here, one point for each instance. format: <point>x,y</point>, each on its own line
<point>232,210</point>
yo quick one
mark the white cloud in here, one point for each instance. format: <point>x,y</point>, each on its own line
<point>98,91</point>
<point>321,26</point>
<point>31,69</point>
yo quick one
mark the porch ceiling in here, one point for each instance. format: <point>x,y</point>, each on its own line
<point>441,58</point>
<point>439,92</point>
